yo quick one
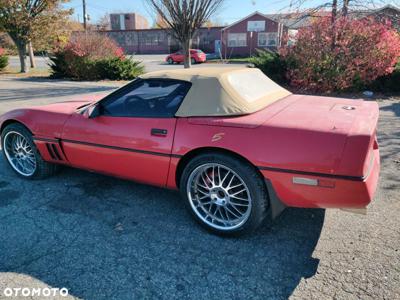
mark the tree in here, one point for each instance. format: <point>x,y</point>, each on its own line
<point>25,19</point>
<point>184,17</point>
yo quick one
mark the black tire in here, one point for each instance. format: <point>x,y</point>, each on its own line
<point>43,168</point>
<point>249,175</point>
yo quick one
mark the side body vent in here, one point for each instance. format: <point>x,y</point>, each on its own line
<point>55,152</point>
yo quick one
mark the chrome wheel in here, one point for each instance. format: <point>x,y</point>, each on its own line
<point>219,196</point>
<point>19,153</point>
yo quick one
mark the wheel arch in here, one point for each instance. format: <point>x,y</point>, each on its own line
<point>276,205</point>
<point>208,150</point>
<point>13,121</point>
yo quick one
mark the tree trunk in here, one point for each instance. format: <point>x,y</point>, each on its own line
<point>186,50</point>
<point>334,11</point>
<point>333,20</point>
<point>21,46</point>
<point>345,10</point>
<point>31,56</point>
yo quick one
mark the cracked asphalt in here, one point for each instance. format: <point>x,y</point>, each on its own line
<point>106,238</point>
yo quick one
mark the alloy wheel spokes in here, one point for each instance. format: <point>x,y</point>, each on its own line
<point>19,153</point>
<point>219,196</point>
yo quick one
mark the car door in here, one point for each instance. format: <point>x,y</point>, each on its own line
<point>179,57</point>
<point>132,135</point>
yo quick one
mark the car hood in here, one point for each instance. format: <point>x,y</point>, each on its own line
<point>47,120</point>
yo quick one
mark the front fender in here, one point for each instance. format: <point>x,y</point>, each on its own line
<point>40,123</point>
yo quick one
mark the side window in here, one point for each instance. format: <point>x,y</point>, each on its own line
<point>147,98</point>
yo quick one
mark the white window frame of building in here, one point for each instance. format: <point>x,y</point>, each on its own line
<point>237,40</point>
<point>272,37</point>
<point>292,34</point>
<point>256,26</point>
<point>262,42</point>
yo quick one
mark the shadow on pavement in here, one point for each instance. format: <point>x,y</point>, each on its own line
<point>105,238</point>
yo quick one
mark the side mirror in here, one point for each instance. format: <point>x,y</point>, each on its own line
<point>92,111</point>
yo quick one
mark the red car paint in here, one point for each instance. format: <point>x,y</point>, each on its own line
<point>329,140</point>
<point>179,57</point>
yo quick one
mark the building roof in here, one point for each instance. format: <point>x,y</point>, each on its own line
<point>297,20</point>
<point>223,91</point>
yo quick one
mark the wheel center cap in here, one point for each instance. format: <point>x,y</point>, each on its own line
<point>218,196</point>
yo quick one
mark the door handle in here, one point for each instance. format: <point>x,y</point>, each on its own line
<point>159,132</point>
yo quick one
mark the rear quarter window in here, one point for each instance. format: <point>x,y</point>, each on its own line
<point>252,86</point>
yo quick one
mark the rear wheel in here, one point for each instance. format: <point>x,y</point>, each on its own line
<point>22,155</point>
<point>225,195</point>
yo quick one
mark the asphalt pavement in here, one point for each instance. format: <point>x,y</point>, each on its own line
<point>106,238</point>
<point>151,62</point>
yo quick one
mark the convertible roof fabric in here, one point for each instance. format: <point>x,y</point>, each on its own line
<point>223,91</point>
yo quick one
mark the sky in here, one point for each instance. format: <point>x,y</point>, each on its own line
<point>231,11</point>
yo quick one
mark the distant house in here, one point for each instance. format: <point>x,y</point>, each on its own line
<point>298,20</point>
<point>388,12</point>
<point>160,40</point>
<point>128,21</point>
<point>256,31</point>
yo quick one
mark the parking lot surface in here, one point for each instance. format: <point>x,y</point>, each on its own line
<point>151,62</point>
<point>105,238</point>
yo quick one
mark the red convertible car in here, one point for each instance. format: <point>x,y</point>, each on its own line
<point>237,145</point>
<point>197,56</point>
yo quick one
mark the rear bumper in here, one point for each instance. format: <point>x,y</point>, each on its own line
<point>329,192</point>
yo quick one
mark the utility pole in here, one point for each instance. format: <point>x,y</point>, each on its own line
<point>84,14</point>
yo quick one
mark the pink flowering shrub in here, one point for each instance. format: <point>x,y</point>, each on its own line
<point>92,45</point>
<point>93,56</point>
<point>350,53</point>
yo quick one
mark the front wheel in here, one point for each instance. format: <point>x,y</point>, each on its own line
<point>170,61</point>
<point>193,61</point>
<point>21,154</point>
<point>225,195</point>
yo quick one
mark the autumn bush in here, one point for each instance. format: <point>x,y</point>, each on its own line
<point>348,54</point>
<point>3,59</point>
<point>93,56</point>
<point>388,83</point>
<point>272,64</point>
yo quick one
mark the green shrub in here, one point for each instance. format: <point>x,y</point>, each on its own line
<point>3,59</point>
<point>84,68</point>
<point>388,83</point>
<point>3,62</point>
<point>271,64</point>
<point>83,59</point>
<point>117,69</point>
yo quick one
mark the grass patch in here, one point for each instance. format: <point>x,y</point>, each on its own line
<point>238,60</point>
<point>15,72</point>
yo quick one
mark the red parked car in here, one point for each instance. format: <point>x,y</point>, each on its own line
<point>237,145</point>
<point>197,56</point>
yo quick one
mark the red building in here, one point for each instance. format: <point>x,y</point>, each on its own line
<point>129,21</point>
<point>160,40</point>
<point>256,31</point>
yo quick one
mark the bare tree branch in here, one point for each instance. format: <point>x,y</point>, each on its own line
<point>184,17</point>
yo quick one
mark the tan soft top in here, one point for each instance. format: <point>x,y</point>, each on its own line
<point>224,91</point>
